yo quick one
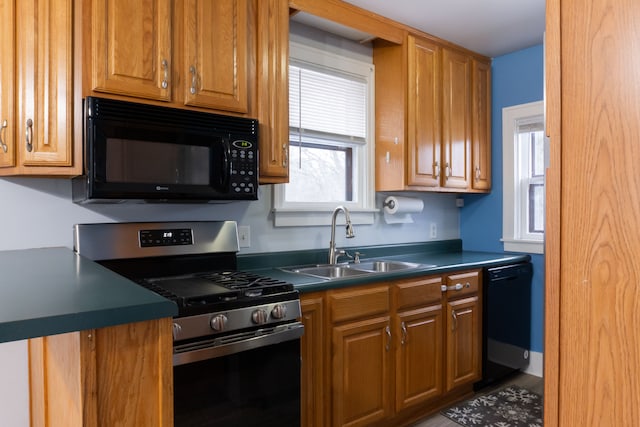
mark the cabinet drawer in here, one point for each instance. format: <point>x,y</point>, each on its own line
<point>355,303</point>
<point>467,283</point>
<point>413,293</point>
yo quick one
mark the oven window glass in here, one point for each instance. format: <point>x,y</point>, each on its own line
<point>259,387</point>
<point>134,161</point>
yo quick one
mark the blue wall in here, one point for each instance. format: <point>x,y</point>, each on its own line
<point>517,78</point>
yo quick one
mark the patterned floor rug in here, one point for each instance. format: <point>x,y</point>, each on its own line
<point>511,406</point>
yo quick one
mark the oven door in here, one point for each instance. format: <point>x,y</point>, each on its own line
<point>243,383</point>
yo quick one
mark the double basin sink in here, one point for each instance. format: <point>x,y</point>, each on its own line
<point>338,271</point>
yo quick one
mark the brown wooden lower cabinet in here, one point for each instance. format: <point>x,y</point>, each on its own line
<point>311,345</point>
<point>418,356</point>
<point>391,352</point>
<point>114,376</point>
<point>463,342</point>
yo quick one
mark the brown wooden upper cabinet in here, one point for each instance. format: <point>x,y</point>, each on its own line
<point>36,91</point>
<point>196,56</point>
<point>433,125</point>
<point>227,56</point>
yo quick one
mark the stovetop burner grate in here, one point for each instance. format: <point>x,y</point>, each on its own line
<point>240,279</point>
<point>217,290</point>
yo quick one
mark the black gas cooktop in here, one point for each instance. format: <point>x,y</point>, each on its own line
<point>216,288</point>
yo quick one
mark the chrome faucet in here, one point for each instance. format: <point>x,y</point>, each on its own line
<point>333,255</point>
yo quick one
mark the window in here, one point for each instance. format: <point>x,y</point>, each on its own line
<point>330,139</point>
<point>523,169</point>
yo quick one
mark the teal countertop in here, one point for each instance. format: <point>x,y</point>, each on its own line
<point>434,257</point>
<point>53,290</point>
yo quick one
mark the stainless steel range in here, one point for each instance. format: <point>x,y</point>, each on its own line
<point>236,337</point>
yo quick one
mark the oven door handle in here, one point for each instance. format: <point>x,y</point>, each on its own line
<point>291,332</point>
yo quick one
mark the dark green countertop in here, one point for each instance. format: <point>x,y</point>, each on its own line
<point>53,290</point>
<point>434,257</point>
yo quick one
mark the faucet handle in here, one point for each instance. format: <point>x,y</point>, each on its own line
<point>342,252</point>
<point>356,258</point>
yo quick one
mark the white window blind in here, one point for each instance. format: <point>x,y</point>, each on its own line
<point>326,106</point>
<point>331,99</point>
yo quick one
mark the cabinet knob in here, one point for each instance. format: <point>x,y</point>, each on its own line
<point>3,126</point>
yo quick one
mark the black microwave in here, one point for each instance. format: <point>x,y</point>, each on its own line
<point>150,153</point>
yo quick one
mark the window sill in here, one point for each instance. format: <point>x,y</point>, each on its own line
<point>311,217</point>
<point>526,246</point>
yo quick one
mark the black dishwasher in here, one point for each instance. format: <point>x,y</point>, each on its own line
<point>506,315</point>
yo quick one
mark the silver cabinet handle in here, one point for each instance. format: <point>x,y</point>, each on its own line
<point>28,135</point>
<point>403,326</point>
<point>477,173</point>
<point>456,287</point>
<point>454,324</point>
<point>165,68</point>
<point>388,332</point>
<point>447,169</point>
<point>436,170</point>
<point>2,131</point>
<point>285,155</point>
<point>194,79</point>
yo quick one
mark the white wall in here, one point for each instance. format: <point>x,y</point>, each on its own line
<point>38,212</point>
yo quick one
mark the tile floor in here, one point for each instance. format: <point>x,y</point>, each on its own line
<point>529,382</point>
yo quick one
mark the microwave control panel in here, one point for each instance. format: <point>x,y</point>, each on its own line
<point>244,167</point>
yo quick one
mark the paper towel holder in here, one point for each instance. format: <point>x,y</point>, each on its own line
<point>389,203</point>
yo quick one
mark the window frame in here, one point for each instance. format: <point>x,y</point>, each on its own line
<point>362,210</point>
<point>515,235</point>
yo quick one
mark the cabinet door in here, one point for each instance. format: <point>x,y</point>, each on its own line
<point>131,48</point>
<point>44,82</point>
<point>481,124</point>
<point>113,376</point>
<point>7,94</point>
<point>423,113</point>
<point>390,60</point>
<point>215,49</point>
<point>361,372</point>
<point>311,351</point>
<point>273,90</point>
<point>463,342</point>
<point>419,349</point>
<point>456,119</point>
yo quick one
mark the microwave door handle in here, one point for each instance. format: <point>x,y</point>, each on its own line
<point>226,164</point>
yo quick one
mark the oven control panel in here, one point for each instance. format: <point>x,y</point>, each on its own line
<point>166,237</point>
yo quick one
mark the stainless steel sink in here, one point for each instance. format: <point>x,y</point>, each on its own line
<point>329,271</point>
<point>385,266</point>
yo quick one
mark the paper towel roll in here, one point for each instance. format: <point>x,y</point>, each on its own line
<point>398,210</point>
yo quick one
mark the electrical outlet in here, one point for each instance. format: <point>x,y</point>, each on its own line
<point>433,230</point>
<point>244,236</point>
